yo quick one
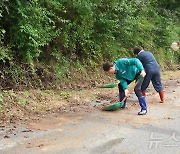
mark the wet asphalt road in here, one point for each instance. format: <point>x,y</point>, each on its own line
<point>98,132</point>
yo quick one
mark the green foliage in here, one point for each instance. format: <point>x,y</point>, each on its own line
<point>32,28</point>
<point>12,94</point>
<point>5,54</point>
<point>64,94</point>
<point>74,35</point>
<point>1,98</point>
<point>2,107</point>
<point>22,103</point>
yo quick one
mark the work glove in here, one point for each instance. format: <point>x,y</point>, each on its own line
<point>143,73</point>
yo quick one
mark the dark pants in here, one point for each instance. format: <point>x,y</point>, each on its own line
<point>154,76</point>
<point>137,89</point>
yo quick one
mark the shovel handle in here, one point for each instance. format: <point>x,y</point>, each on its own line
<point>132,88</point>
<point>124,99</point>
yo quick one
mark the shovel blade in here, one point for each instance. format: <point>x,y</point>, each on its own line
<point>109,85</point>
<point>114,106</point>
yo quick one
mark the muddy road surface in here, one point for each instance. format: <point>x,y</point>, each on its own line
<point>92,131</point>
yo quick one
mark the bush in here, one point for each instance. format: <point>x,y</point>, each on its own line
<point>75,35</point>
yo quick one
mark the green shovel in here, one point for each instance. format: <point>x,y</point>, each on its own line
<point>120,104</point>
<point>112,85</point>
<point>115,106</point>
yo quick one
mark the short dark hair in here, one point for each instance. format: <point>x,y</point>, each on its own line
<point>107,65</point>
<point>137,49</point>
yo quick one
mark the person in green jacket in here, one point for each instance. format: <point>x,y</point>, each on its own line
<point>126,71</point>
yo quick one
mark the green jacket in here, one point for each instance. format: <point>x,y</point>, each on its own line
<point>127,69</point>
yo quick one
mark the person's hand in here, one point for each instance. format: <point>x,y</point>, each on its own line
<point>143,73</point>
<point>127,94</point>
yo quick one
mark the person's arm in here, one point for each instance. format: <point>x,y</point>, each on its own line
<point>125,87</point>
<point>123,84</point>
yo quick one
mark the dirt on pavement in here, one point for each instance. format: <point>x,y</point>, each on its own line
<point>91,102</point>
<point>56,105</point>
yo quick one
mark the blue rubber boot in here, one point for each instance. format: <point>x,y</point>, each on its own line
<point>142,103</point>
<point>121,97</point>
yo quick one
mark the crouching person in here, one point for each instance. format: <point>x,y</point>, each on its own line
<point>126,71</point>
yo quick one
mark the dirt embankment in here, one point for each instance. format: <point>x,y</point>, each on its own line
<point>21,105</point>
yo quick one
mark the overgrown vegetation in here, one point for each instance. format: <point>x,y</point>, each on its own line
<point>49,42</point>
